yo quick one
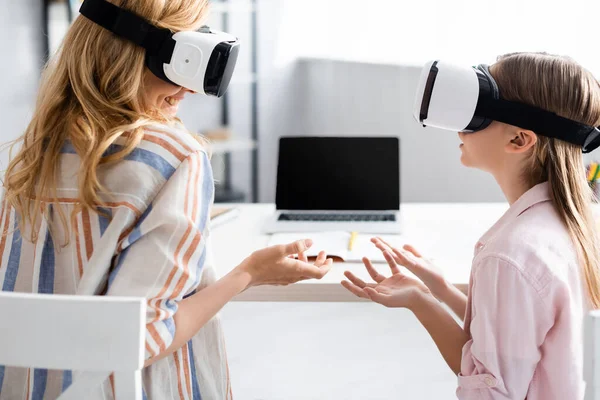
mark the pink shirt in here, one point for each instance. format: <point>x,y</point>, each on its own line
<point>525,308</point>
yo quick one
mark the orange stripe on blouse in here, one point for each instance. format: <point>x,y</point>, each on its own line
<point>156,336</point>
<point>177,252</point>
<point>113,204</point>
<point>186,259</point>
<point>171,274</point>
<point>78,247</point>
<point>188,254</point>
<point>178,366</point>
<point>149,349</point>
<point>112,384</point>
<point>87,233</point>
<point>229,391</point>
<point>123,235</point>
<point>176,139</point>
<point>165,145</point>
<point>5,230</point>
<point>186,368</point>
<point>28,382</point>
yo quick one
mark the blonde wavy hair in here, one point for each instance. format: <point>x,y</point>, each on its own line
<point>91,94</point>
<point>560,85</point>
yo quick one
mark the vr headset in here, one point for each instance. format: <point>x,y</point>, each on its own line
<point>467,99</point>
<point>201,61</point>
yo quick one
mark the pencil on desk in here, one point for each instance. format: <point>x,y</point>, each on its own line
<point>593,172</point>
<point>352,240</point>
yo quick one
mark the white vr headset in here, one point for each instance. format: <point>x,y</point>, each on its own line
<point>201,61</point>
<point>467,99</point>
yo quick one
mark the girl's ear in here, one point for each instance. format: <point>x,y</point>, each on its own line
<point>521,140</point>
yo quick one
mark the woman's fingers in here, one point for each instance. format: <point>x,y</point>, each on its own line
<point>355,289</point>
<point>391,262</point>
<point>302,257</point>
<point>320,259</point>
<point>377,277</point>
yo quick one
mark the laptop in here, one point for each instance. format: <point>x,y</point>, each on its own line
<point>337,183</point>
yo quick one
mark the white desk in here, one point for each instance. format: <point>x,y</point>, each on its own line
<point>445,232</point>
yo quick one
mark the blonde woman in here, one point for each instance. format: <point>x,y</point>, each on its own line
<point>109,194</point>
<point>535,272</point>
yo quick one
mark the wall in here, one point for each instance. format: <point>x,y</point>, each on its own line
<point>343,98</point>
<point>362,99</point>
<point>21,46</point>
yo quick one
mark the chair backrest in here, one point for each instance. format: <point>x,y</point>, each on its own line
<point>95,334</point>
<point>591,356</point>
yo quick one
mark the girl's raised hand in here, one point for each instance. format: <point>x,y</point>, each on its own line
<point>398,290</point>
<point>412,260</point>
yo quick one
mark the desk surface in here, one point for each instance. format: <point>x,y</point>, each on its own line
<point>444,232</point>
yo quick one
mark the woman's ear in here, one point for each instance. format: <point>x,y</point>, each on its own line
<point>520,141</point>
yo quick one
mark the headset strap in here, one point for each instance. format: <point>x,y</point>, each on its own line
<point>157,41</point>
<point>543,122</point>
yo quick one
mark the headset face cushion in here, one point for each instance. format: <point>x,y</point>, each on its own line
<point>487,87</point>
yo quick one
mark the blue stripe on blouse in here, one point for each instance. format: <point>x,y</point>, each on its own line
<point>149,158</point>
<point>46,286</point>
<point>195,386</point>
<point>104,220</point>
<point>46,277</point>
<point>10,277</point>
<point>132,238</point>
<point>40,377</point>
<point>67,379</point>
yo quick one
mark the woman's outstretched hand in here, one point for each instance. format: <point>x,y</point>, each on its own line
<point>276,265</point>
<point>398,290</point>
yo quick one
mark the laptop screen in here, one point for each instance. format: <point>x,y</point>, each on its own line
<point>338,173</point>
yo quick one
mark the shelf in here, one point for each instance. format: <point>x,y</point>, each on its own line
<point>230,146</point>
<point>228,195</point>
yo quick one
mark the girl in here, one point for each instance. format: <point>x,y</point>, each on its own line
<point>109,194</point>
<point>535,272</point>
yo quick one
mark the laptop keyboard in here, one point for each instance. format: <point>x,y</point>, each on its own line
<point>337,217</point>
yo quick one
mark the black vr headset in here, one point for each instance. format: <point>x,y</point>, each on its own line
<point>201,61</point>
<point>467,99</point>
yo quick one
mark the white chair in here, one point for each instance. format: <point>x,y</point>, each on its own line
<point>94,336</point>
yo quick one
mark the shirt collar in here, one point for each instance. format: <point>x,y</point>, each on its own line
<point>537,194</point>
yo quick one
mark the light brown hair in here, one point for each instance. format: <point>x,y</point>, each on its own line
<point>91,94</point>
<point>560,85</point>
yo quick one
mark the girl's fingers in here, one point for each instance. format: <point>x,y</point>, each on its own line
<point>406,258</point>
<point>356,280</point>
<point>391,262</point>
<point>381,245</point>
<point>377,277</point>
<point>376,296</point>
<point>415,252</point>
<point>354,289</point>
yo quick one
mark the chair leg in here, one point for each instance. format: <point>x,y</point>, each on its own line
<point>128,385</point>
